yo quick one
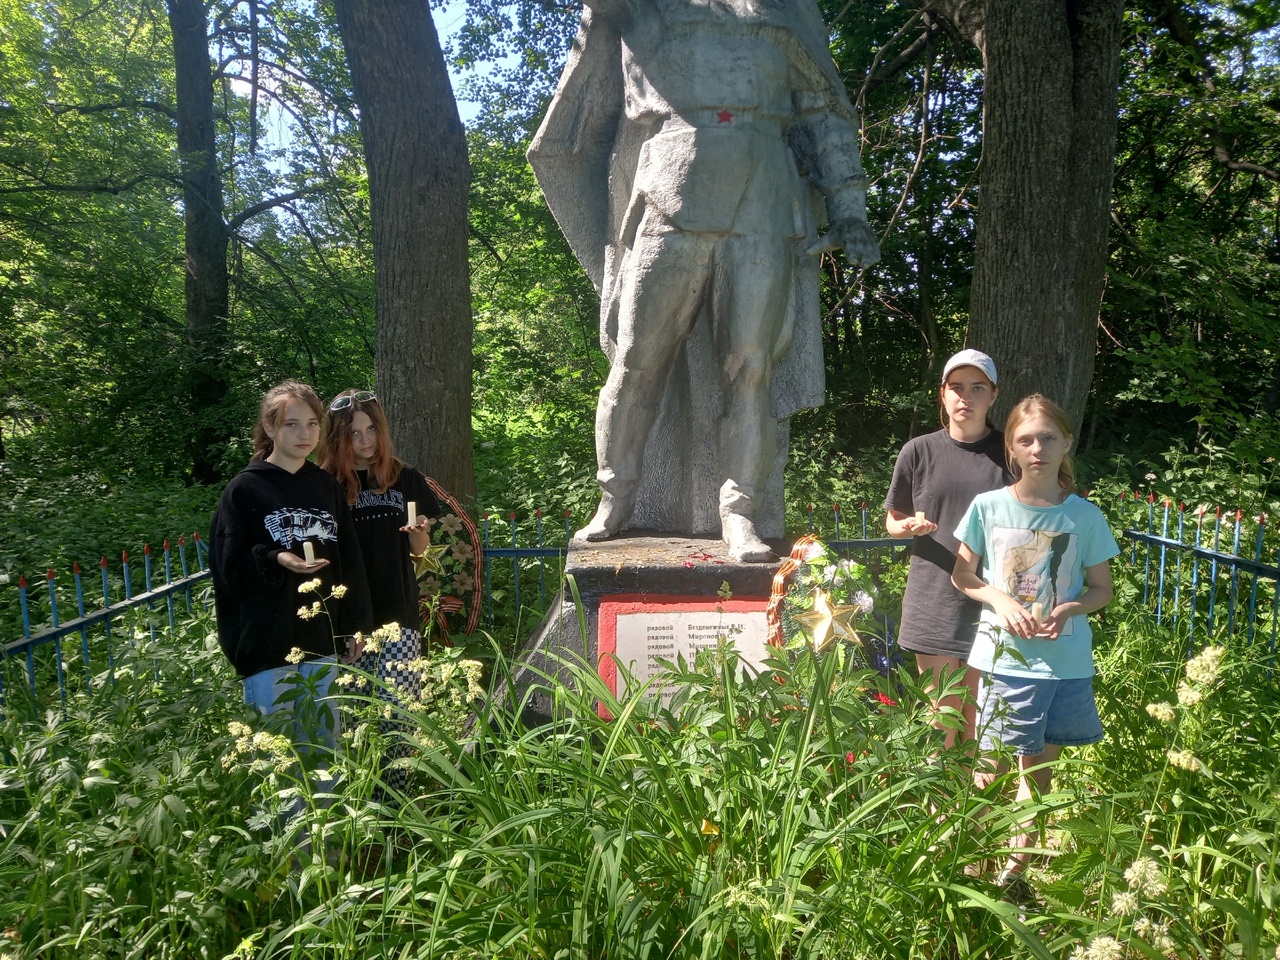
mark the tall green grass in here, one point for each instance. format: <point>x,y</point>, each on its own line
<point>794,814</point>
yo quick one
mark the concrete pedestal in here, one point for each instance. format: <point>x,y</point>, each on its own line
<point>636,564</point>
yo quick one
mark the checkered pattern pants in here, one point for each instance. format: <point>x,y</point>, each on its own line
<point>388,665</point>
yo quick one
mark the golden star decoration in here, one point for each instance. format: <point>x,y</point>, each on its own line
<point>826,622</point>
<point>428,561</point>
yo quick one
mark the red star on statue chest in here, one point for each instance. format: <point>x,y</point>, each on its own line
<point>724,116</point>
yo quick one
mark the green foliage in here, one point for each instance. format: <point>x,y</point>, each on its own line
<point>786,815</point>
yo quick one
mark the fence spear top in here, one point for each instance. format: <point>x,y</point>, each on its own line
<point>22,581</point>
<point>51,574</point>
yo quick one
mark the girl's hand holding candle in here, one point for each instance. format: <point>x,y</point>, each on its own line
<point>308,551</point>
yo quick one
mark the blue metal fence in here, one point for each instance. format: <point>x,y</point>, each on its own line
<point>87,620</point>
<point>1198,585</point>
<point>1191,580</point>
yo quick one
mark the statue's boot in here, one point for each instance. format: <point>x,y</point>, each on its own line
<point>744,543</point>
<point>611,516</point>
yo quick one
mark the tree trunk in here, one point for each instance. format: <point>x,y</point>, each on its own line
<point>1048,146</point>
<point>419,179</point>
<point>206,235</point>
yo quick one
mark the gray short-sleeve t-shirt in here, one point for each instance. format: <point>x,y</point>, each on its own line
<point>941,476</point>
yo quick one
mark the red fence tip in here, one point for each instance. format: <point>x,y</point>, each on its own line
<point>1167,503</point>
<point>835,507</point>
<point>1137,495</point>
<point>146,549</point>
<point>22,581</point>
<point>538,513</point>
<point>1151,497</point>
<point>485,516</point>
<point>1262,519</point>
<point>864,504</point>
<point>182,541</point>
<point>1239,515</point>
<point>1182,508</point>
<point>103,563</point>
<point>1217,513</point>
<point>50,574</point>
<point>166,545</point>
<point>196,535</point>
<point>124,556</point>
<point>566,514</point>
<point>75,568</point>
<point>811,508</point>
<point>512,515</point>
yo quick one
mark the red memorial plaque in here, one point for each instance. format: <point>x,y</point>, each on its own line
<point>639,630</point>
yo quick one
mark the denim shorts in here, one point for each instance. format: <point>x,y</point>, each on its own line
<point>1025,713</point>
<point>263,691</point>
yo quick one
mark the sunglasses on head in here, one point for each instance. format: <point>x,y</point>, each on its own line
<point>360,396</point>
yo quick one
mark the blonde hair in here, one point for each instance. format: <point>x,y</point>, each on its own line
<point>272,409</point>
<point>1038,405</point>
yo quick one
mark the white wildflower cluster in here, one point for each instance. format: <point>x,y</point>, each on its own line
<point>309,612</point>
<point>1188,695</point>
<point>1204,667</point>
<point>295,656</point>
<point>273,751</point>
<point>1162,711</point>
<point>309,586</point>
<point>1184,760</point>
<point>1100,948</point>
<point>339,591</point>
<point>1124,903</point>
<point>1156,934</point>
<point>345,679</point>
<point>386,633</point>
<point>459,680</point>
<point>1145,877</point>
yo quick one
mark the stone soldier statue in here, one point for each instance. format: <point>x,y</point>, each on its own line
<point>679,157</point>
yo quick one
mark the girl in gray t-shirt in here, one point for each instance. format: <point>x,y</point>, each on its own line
<point>935,479</point>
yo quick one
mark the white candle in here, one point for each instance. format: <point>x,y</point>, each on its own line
<point>308,551</point>
<point>1037,611</point>
<point>413,513</point>
<point>920,516</point>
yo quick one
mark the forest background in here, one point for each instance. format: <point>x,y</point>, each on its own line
<point>110,393</point>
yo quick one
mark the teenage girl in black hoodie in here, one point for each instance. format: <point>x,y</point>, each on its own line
<point>278,503</point>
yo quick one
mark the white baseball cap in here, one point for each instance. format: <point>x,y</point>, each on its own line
<point>971,358</point>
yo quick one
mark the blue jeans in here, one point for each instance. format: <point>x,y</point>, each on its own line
<point>264,690</point>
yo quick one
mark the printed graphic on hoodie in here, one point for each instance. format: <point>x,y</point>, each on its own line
<point>290,525</point>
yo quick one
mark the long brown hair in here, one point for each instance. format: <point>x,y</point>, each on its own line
<point>1038,405</point>
<point>272,409</point>
<point>338,457</point>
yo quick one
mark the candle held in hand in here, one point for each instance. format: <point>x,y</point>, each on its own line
<point>1037,611</point>
<point>920,516</point>
<point>308,551</point>
<point>413,513</point>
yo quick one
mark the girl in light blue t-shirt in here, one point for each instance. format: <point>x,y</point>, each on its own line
<point>1037,557</point>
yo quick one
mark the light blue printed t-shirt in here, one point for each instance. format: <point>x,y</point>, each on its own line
<point>1036,554</point>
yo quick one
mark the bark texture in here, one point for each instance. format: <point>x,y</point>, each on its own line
<point>419,178</point>
<point>1048,148</point>
<point>206,236</point>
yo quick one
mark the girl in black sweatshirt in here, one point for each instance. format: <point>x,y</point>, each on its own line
<point>267,513</point>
